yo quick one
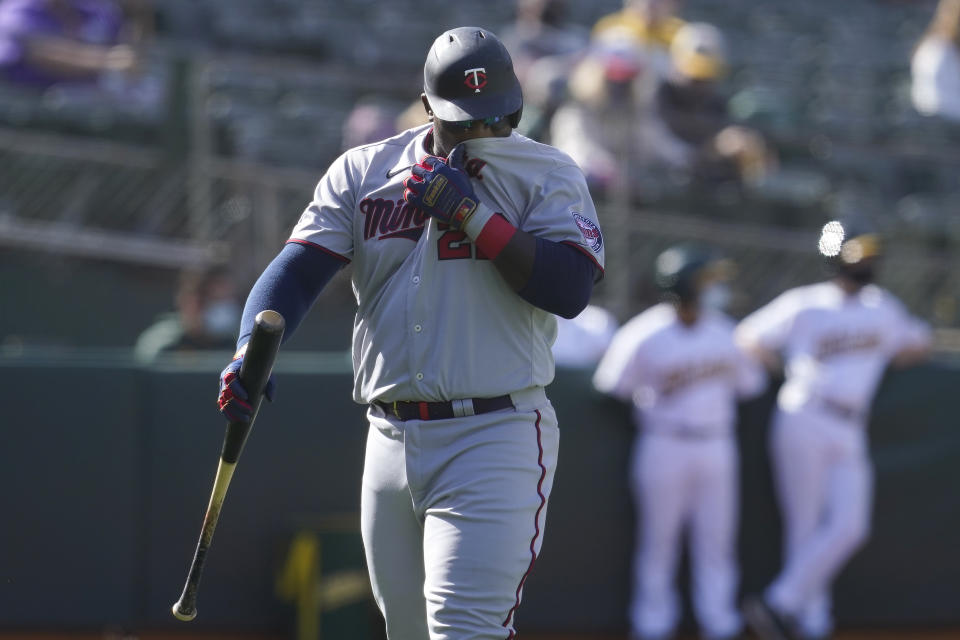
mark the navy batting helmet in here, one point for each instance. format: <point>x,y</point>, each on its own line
<point>469,75</point>
<point>679,269</point>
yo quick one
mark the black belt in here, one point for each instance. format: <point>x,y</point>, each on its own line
<point>406,410</point>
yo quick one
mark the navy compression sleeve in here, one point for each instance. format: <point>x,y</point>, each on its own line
<point>289,285</point>
<point>562,279</point>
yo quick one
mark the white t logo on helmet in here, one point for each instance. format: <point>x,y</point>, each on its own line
<point>476,81</point>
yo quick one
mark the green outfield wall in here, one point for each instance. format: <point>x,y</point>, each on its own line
<point>106,469</point>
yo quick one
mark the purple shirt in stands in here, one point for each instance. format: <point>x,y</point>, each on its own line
<point>97,22</point>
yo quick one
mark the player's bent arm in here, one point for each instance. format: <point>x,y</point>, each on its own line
<point>751,379</point>
<point>289,285</point>
<point>753,348</point>
<point>910,356</point>
<point>621,370</point>
<point>550,275</point>
<point>546,274</point>
<point>916,347</point>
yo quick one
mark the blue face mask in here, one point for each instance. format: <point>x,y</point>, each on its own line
<point>222,318</point>
<point>715,296</point>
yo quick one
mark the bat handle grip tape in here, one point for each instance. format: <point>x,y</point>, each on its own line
<point>254,374</point>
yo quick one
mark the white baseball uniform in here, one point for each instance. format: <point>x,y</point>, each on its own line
<point>452,510</point>
<point>836,347</point>
<point>684,382</point>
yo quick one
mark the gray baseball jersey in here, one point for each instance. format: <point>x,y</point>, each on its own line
<point>421,286</point>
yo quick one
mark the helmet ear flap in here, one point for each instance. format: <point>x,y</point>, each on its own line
<point>514,118</point>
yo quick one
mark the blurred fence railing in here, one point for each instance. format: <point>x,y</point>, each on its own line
<point>225,195</point>
<point>120,202</point>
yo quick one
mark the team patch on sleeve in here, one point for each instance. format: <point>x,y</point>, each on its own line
<point>590,231</point>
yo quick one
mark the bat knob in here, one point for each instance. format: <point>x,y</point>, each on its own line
<point>183,614</point>
<point>271,321</point>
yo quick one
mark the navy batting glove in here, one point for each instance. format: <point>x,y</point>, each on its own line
<point>234,401</point>
<point>442,190</point>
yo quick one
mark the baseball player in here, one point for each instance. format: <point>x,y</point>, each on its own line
<point>678,363</point>
<point>835,339</point>
<point>466,238</point>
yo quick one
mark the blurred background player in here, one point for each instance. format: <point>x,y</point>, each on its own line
<point>678,364</point>
<point>835,339</point>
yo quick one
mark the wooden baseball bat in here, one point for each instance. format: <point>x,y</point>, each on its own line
<point>254,373</point>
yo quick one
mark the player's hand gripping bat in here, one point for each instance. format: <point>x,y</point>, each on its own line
<point>254,374</point>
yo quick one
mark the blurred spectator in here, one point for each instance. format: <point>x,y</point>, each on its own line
<point>935,65</point>
<point>82,49</point>
<point>369,121</point>
<point>690,101</point>
<point>544,46</point>
<point>633,130</point>
<point>46,42</point>
<point>413,116</point>
<point>608,124</point>
<point>582,341</point>
<point>541,29</point>
<point>653,23</point>
<point>207,314</point>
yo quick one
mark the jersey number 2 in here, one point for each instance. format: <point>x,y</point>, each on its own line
<point>454,245</point>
